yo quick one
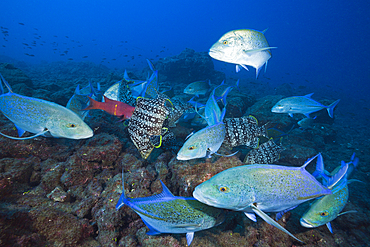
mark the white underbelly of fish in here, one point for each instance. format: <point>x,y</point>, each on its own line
<point>256,59</point>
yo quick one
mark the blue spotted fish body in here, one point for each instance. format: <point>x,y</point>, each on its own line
<point>166,213</point>
<point>329,207</point>
<point>41,117</point>
<point>260,188</point>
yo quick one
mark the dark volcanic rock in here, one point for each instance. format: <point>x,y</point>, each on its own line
<point>14,75</point>
<point>187,67</point>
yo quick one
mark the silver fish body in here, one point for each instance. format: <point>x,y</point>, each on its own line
<point>198,88</point>
<point>203,143</point>
<point>38,116</point>
<point>244,47</point>
<point>302,104</point>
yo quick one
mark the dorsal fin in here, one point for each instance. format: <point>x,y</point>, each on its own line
<point>309,161</point>
<point>308,95</point>
<point>165,191</point>
<point>264,30</point>
<point>125,76</point>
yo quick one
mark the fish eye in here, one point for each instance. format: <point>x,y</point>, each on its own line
<point>71,125</point>
<point>225,42</point>
<point>191,147</point>
<point>223,189</point>
<point>325,213</point>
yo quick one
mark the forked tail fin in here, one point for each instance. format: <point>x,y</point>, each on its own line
<point>331,108</point>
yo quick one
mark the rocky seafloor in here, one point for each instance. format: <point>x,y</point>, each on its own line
<point>60,192</point>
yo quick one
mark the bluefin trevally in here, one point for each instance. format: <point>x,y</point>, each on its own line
<point>302,104</point>
<point>166,213</point>
<point>243,47</point>
<point>329,207</point>
<point>203,143</point>
<point>80,100</point>
<point>223,90</point>
<point>41,117</point>
<point>262,188</point>
<point>138,88</point>
<point>208,140</point>
<point>198,88</point>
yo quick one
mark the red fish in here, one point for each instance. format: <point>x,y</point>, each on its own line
<point>113,107</point>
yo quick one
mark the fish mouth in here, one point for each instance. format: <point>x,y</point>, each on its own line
<point>306,224</point>
<point>215,53</point>
<point>203,199</point>
<point>180,157</point>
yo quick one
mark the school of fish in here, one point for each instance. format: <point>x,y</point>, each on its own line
<point>257,188</point>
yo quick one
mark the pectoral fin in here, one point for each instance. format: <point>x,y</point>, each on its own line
<point>251,216</point>
<point>20,130</point>
<point>189,237</point>
<point>25,138</point>
<point>328,225</point>
<point>267,218</point>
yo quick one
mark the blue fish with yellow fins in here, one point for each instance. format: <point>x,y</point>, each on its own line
<point>40,117</point>
<point>329,207</point>
<point>166,213</point>
<point>256,189</point>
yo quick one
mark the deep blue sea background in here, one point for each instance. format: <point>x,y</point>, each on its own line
<point>321,44</point>
<point>322,49</point>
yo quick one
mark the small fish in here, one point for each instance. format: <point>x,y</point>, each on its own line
<point>266,153</point>
<point>113,107</point>
<point>41,117</point>
<point>243,131</point>
<point>146,121</point>
<point>306,123</point>
<point>203,143</point>
<point>80,100</point>
<point>256,189</point>
<point>223,90</point>
<point>302,104</point>
<point>329,207</point>
<point>198,88</point>
<point>208,140</point>
<point>212,112</point>
<point>166,213</point>
<point>242,47</point>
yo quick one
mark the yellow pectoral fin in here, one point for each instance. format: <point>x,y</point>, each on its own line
<point>160,142</point>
